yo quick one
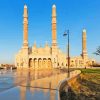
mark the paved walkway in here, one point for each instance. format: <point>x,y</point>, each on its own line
<point>42,85</point>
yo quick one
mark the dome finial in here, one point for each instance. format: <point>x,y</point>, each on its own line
<point>46,43</point>
<point>34,44</point>
<point>84,30</point>
<point>54,6</point>
<point>25,6</point>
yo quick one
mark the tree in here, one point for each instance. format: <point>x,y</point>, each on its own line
<point>97,51</point>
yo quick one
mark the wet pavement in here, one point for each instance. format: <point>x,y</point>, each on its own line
<point>30,84</point>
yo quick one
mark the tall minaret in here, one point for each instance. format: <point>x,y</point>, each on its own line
<point>25,48</point>
<point>54,36</point>
<point>25,27</point>
<point>84,48</point>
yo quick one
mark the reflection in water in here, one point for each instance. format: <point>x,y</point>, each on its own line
<point>36,84</point>
<point>39,83</point>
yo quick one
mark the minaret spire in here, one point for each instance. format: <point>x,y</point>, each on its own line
<point>25,27</point>
<point>84,48</point>
<point>54,34</point>
<point>54,37</point>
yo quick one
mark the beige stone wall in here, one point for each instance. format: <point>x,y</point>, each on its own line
<point>41,51</point>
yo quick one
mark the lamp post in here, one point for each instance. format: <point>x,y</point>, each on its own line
<point>68,56</point>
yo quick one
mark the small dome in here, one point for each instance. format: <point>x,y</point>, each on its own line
<point>54,6</point>
<point>25,6</point>
<point>84,30</point>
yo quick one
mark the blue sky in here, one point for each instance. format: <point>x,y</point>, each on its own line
<point>71,14</point>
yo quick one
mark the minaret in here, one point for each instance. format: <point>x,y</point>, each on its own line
<point>54,36</point>
<point>25,27</point>
<point>84,48</point>
<point>25,48</point>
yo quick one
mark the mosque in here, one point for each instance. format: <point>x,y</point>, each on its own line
<point>49,56</point>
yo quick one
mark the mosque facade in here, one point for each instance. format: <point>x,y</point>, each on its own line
<point>48,56</point>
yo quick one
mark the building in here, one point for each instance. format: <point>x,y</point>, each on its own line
<point>48,57</point>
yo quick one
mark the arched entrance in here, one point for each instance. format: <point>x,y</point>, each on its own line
<point>44,63</point>
<point>30,62</point>
<point>40,63</point>
<point>49,63</point>
<point>35,63</point>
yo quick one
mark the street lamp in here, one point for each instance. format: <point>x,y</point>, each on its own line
<point>68,57</point>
